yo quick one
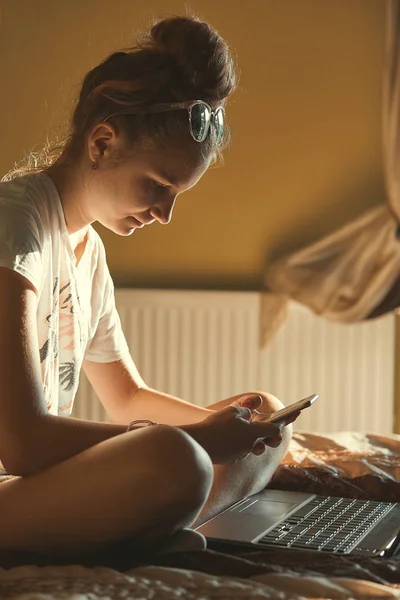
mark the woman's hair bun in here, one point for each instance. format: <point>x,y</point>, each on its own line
<point>200,55</point>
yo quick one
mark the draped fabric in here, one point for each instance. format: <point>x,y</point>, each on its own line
<point>353,273</point>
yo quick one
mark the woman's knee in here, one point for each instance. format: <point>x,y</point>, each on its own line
<point>270,403</point>
<point>189,464</point>
<point>182,469</point>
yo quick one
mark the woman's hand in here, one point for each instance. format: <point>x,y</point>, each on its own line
<point>254,402</point>
<point>261,404</point>
<point>230,434</point>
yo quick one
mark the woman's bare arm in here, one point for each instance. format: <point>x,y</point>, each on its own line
<point>30,438</point>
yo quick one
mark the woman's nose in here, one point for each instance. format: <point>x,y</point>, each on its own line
<point>163,212</point>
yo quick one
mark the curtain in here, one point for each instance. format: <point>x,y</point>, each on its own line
<point>347,275</point>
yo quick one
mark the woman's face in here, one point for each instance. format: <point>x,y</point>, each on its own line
<point>142,187</point>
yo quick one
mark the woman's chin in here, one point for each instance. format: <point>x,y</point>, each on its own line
<point>123,228</point>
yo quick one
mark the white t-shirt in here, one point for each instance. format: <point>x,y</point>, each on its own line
<point>76,314</point>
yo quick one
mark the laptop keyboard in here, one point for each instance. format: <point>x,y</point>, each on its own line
<point>328,524</point>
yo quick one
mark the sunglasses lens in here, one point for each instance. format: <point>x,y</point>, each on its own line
<point>219,125</point>
<point>200,121</point>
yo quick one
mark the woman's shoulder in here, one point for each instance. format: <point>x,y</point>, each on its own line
<point>28,193</point>
<point>23,184</point>
<point>30,202</point>
<point>23,204</point>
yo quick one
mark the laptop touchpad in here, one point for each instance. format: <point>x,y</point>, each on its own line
<point>268,509</point>
<point>247,520</point>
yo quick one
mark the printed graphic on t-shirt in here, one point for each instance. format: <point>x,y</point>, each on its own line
<point>50,347</point>
<point>63,343</point>
<point>67,375</point>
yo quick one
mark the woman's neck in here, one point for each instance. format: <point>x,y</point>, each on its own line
<point>69,184</point>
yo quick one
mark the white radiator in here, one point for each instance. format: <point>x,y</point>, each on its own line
<point>204,346</point>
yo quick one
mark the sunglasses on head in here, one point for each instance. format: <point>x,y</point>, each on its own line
<point>202,118</point>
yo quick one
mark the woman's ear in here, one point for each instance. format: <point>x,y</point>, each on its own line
<point>103,141</point>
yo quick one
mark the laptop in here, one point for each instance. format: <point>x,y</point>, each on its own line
<point>303,521</point>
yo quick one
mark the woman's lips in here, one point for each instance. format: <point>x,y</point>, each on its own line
<point>136,222</point>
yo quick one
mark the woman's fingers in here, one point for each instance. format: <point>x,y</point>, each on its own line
<point>243,412</point>
<point>274,442</point>
<point>252,401</point>
<point>270,433</point>
<point>267,430</point>
<point>259,448</point>
<point>292,418</point>
<point>258,434</point>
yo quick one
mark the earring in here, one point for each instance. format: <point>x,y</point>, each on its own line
<point>94,166</point>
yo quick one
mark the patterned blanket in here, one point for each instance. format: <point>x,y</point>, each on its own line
<point>349,464</point>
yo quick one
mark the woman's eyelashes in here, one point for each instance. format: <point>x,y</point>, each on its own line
<point>155,191</point>
<point>158,184</point>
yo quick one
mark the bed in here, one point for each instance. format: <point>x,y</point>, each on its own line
<point>351,464</point>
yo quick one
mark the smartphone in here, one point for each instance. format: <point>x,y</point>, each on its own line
<point>288,411</point>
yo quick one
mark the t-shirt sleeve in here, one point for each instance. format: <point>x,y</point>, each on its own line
<point>109,343</point>
<point>21,241</point>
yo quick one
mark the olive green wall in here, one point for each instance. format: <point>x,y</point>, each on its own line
<point>306,125</point>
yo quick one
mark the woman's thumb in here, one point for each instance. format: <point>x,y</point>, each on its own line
<point>252,401</point>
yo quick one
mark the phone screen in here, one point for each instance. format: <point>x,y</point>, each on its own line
<point>279,415</point>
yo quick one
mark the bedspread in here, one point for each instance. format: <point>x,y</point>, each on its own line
<point>349,464</point>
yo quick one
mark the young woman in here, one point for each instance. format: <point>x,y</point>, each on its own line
<point>148,123</point>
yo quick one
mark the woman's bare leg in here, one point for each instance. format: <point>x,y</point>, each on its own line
<point>142,485</point>
<point>248,476</point>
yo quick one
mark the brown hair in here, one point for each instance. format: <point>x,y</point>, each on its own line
<point>181,58</point>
